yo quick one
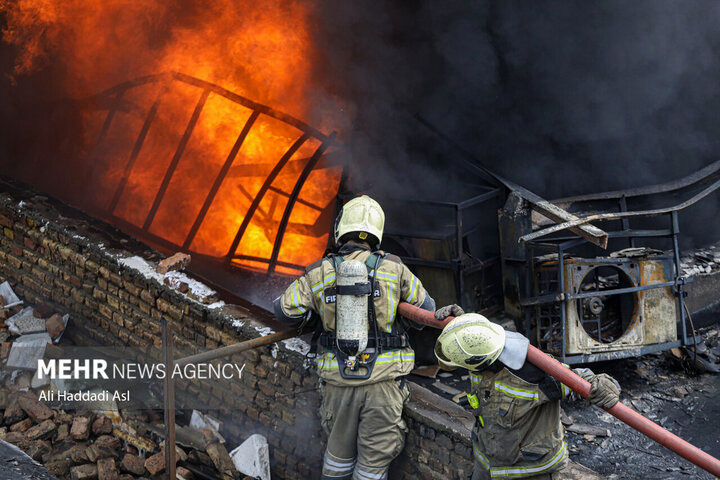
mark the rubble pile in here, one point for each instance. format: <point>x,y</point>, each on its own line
<point>666,388</point>
<point>25,333</point>
<point>85,443</point>
<point>701,262</point>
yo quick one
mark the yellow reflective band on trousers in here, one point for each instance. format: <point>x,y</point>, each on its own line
<point>480,457</point>
<point>527,470</point>
<point>328,360</point>
<point>516,392</point>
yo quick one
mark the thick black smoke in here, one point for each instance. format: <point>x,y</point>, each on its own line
<point>563,97</point>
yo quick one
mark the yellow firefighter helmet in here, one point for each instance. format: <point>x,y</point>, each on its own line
<point>469,341</point>
<point>363,215</point>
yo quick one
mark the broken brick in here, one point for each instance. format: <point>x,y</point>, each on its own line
<point>62,433</point>
<point>13,412</point>
<point>108,441</point>
<point>5,349</point>
<point>106,469</point>
<point>38,448</point>
<point>102,426</point>
<point>221,459</point>
<point>41,430</point>
<point>15,437</point>
<point>59,468</point>
<point>35,409</point>
<point>133,464</point>
<point>97,452</point>
<point>77,453</point>
<point>21,426</point>
<point>55,326</point>
<point>177,261</point>
<point>183,473</point>
<point>84,472</point>
<point>80,429</point>
<point>155,464</point>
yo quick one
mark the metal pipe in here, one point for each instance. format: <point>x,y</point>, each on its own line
<point>238,347</point>
<point>620,411</point>
<point>168,344</point>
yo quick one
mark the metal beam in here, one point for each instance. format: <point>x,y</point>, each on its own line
<point>138,146</point>
<point>261,194</point>
<point>619,215</point>
<point>176,159</point>
<point>293,198</point>
<point>219,179</point>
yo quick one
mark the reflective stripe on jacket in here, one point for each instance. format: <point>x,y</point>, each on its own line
<point>520,433</point>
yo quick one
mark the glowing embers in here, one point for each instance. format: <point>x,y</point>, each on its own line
<point>192,166</point>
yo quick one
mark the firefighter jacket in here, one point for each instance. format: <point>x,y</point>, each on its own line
<point>518,431</point>
<point>395,283</point>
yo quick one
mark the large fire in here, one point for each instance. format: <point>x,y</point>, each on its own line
<point>260,50</point>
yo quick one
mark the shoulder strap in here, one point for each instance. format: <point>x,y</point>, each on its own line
<point>373,259</point>
<point>336,260</point>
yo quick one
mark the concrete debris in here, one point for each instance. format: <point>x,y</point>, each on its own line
<point>9,299</point>
<point>177,261</point>
<point>252,457</point>
<point>38,382</point>
<point>27,349</point>
<point>202,422</point>
<point>25,322</point>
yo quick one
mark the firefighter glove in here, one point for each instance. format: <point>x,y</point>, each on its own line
<point>604,391</point>
<point>449,311</point>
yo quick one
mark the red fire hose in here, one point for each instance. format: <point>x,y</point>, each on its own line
<point>556,370</point>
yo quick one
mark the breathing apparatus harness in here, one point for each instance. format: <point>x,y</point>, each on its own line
<point>377,341</point>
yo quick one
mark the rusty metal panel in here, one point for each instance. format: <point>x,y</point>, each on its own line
<point>650,319</point>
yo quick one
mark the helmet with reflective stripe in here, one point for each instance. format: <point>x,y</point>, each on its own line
<point>469,341</point>
<point>361,215</point>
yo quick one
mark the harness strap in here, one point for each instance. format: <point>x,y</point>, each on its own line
<point>387,340</point>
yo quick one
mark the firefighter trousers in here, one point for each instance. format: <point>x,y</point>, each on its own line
<point>365,429</point>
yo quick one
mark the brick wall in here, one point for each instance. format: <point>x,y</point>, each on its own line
<point>50,252</point>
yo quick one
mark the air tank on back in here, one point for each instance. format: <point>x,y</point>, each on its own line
<point>352,310</point>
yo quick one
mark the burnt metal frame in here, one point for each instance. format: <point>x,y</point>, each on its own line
<point>114,97</point>
<point>707,177</point>
<point>459,233</point>
<point>563,244</point>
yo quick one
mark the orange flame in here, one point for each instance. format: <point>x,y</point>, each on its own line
<point>261,50</point>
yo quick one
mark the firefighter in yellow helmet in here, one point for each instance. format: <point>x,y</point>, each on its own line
<point>517,432</point>
<point>365,353</point>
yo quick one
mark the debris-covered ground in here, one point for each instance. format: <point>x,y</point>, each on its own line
<point>113,443</point>
<point>665,387</point>
<point>668,390</point>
